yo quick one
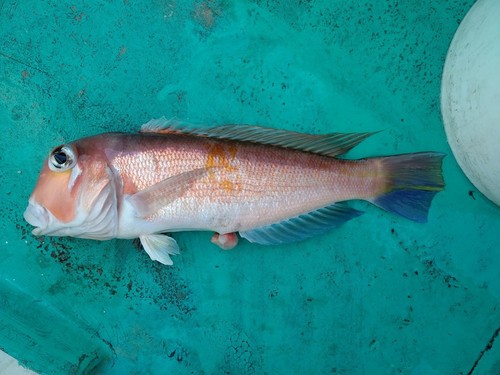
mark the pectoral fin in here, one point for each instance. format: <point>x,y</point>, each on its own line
<point>159,247</point>
<point>302,227</point>
<point>148,201</point>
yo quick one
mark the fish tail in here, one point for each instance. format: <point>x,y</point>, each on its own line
<point>412,181</point>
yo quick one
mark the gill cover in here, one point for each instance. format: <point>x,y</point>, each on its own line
<point>75,195</point>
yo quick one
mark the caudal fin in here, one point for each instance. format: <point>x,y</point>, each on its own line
<point>412,182</point>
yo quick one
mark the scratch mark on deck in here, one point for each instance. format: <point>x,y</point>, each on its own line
<point>12,58</point>
<point>488,346</point>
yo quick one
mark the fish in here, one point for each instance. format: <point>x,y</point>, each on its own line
<point>268,186</point>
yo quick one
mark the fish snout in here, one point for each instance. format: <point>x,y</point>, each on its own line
<point>36,215</point>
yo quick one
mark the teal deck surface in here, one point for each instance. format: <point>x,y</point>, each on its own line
<point>381,295</point>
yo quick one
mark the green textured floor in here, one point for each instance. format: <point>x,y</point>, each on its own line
<point>382,295</point>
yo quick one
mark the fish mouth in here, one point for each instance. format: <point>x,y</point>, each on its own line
<point>38,216</point>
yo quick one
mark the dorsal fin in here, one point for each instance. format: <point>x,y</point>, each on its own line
<point>332,144</point>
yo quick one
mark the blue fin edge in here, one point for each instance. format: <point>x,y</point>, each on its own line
<point>412,182</point>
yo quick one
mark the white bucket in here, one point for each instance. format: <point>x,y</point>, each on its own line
<point>470,97</point>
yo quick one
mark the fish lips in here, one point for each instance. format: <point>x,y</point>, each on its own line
<point>38,216</point>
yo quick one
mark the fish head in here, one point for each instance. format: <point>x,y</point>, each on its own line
<point>75,194</point>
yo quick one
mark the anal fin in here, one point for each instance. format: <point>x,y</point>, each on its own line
<point>302,227</point>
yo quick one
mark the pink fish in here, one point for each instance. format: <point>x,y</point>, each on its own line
<point>270,186</point>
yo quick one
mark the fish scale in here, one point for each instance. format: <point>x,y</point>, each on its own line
<point>282,182</point>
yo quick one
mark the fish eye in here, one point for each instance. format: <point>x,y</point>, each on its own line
<point>62,158</point>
